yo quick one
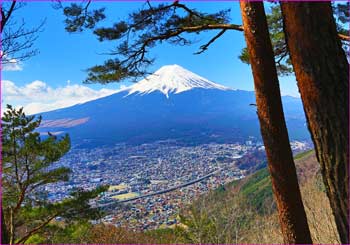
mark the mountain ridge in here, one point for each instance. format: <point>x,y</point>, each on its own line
<point>190,111</point>
<point>171,79</point>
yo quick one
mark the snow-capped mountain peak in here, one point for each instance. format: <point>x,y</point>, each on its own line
<point>172,79</point>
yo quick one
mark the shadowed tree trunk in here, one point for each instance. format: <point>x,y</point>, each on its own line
<point>273,127</point>
<point>4,234</point>
<point>322,72</point>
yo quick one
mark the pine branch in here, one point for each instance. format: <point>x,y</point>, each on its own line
<point>36,229</point>
<point>135,57</point>
<point>203,48</point>
<point>20,200</point>
<point>179,31</point>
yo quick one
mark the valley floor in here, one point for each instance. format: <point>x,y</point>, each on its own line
<point>151,183</point>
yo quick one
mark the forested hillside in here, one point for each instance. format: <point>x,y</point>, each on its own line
<point>245,211</point>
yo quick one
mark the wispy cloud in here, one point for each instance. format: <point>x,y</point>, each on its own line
<point>38,96</point>
<point>12,65</point>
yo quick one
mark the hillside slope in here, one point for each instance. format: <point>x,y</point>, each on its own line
<point>245,212</point>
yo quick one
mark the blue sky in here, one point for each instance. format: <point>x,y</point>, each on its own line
<point>54,77</point>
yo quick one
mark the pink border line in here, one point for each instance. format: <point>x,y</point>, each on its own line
<point>197,1</point>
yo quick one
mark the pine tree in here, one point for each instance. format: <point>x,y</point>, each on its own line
<point>172,23</point>
<point>321,61</point>
<point>27,167</point>
<point>169,22</point>
<point>273,127</point>
<point>322,71</point>
<point>281,52</point>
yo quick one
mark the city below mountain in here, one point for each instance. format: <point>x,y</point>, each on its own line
<point>173,103</point>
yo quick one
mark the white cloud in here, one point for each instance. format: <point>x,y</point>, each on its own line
<point>38,96</point>
<point>12,65</point>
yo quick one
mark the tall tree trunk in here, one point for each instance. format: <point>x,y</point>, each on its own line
<point>273,127</point>
<point>322,72</point>
<point>4,232</point>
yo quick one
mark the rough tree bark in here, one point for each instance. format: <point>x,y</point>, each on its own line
<point>322,72</point>
<point>273,127</point>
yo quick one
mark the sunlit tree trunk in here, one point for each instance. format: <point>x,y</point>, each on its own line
<point>322,72</point>
<point>273,127</point>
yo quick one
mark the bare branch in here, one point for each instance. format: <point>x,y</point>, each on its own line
<point>281,57</point>
<point>18,41</point>
<point>191,29</point>
<point>149,4</point>
<point>6,17</point>
<point>177,32</point>
<point>203,48</point>
<point>344,37</point>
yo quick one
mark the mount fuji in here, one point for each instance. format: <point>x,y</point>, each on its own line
<point>172,79</point>
<point>172,103</point>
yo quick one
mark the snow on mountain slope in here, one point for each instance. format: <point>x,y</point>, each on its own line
<point>199,115</point>
<point>171,79</point>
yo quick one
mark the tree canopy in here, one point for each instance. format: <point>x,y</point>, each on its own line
<point>27,167</point>
<point>143,30</point>
<point>152,25</point>
<point>275,24</point>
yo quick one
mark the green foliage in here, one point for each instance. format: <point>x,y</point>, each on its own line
<point>142,31</point>
<point>258,190</point>
<point>342,14</point>
<point>111,70</point>
<point>73,233</point>
<point>80,17</point>
<point>220,189</point>
<point>200,227</point>
<point>152,25</point>
<point>36,239</point>
<point>167,235</point>
<point>303,154</point>
<point>244,56</point>
<point>228,215</point>
<point>275,24</point>
<point>62,233</point>
<point>26,157</point>
<point>216,218</point>
<point>28,165</point>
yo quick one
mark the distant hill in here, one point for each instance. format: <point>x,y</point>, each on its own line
<point>172,103</point>
<point>257,186</point>
<point>248,206</point>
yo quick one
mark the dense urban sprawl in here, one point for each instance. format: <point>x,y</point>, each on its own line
<point>136,172</point>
